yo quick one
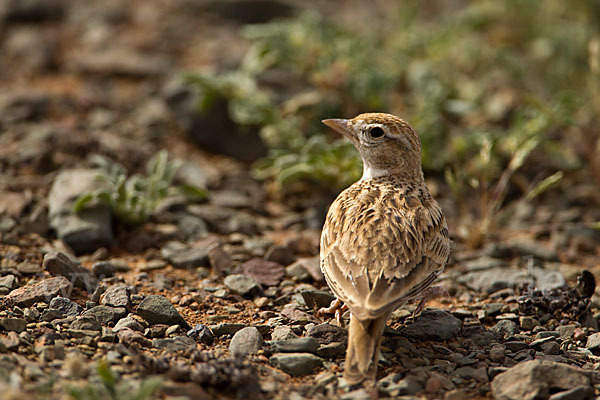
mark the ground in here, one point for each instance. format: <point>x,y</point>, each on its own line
<point>237,274</point>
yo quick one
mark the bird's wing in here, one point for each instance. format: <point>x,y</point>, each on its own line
<point>380,249</point>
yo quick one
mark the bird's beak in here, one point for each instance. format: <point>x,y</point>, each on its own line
<point>340,126</point>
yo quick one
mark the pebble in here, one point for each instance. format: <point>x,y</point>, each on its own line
<point>566,331</point>
<point>505,328</point>
<point>296,364</point>
<point>13,324</point>
<point>327,333</point>
<point>86,323</point>
<point>528,323</point>
<point>433,325</point>
<point>226,328</point>
<point>246,341</point>
<point>105,314</point>
<point>317,298</point>
<point>65,306</point>
<point>243,285</point>
<point>297,345</point>
<point>535,379</point>
<point>394,385</point>
<point>192,257</point>
<point>157,309</point>
<point>60,264</point>
<point>282,332</point>
<point>497,353</point>
<point>593,343</point>
<point>331,350</point>
<point>45,290</point>
<point>9,282</point>
<point>116,296</point>
<point>175,344</point>
<point>577,393</point>
<point>516,346</point>
<point>266,273</point>
<point>107,269</point>
<point>202,334</point>
<point>128,322</point>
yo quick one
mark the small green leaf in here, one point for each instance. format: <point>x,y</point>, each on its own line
<point>192,192</point>
<point>82,201</point>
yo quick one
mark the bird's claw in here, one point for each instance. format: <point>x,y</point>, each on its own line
<point>336,307</point>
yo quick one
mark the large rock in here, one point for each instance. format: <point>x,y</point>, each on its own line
<point>295,364</point>
<point>433,325</point>
<point>87,230</point>
<point>158,310</point>
<point>535,379</point>
<point>45,290</point>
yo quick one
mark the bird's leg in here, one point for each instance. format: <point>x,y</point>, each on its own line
<point>431,292</point>
<point>336,307</point>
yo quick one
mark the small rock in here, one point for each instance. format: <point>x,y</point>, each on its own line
<point>9,281</point>
<point>158,310</point>
<point>45,290</point>
<point>107,269</point>
<point>85,231</point>
<point>566,331</point>
<point>86,323</point>
<point>175,344</point>
<point>497,353</point>
<point>66,307</point>
<point>577,393</point>
<point>192,257</point>
<point>327,333</point>
<point>433,325</point>
<point>537,379</point>
<point>129,337</point>
<point>291,312</point>
<point>295,364</point>
<point>59,264</point>
<point>267,273</point>
<point>13,324</point>
<point>280,254</point>
<point>331,351</point>
<point>516,346</point>
<point>202,334</point>
<point>505,328</point>
<point>243,285</point>
<point>317,298</point>
<point>550,347</point>
<point>128,322</point>
<point>105,314</point>
<point>528,323</point>
<point>226,328</point>
<point>283,332</point>
<point>298,345</point>
<point>116,296</point>
<point>246,341</point>
<point>394,385</point>
<point>593,343</point>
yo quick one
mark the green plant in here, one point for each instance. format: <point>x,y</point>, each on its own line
<point>132,199</point>
<point>109,387</point>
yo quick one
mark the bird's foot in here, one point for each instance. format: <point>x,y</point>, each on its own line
<point>336,307</point>
<point>431,292</point>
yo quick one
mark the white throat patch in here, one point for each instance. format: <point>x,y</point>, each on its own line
<point>371,173</point>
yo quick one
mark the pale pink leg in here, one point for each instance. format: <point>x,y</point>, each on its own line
<point>336,307</point>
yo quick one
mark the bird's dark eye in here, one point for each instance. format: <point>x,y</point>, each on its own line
<point>376,132</point>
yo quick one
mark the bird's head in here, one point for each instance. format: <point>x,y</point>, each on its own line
<point>388,145</point>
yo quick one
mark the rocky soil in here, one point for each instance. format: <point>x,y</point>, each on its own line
<point>218,298</point>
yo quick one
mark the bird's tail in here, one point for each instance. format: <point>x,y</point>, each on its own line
<point>362,356</point>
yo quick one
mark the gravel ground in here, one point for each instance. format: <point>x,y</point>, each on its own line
<point>218,298</point>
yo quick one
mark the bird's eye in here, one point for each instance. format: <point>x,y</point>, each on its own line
<point>376,132</point>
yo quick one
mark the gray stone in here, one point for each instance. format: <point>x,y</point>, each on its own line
<point>593,343</point>
<point>175,344</point>
<point>106,269</point>
<point>505,328</point>
<point>29,268</point>
<point>85,231</point>
<point>566,331</point>
<point>331,350</point>
<point>327,333</point>
<point>116,296</point>
<point>13,324</point>
<point>535,379</point>
<point>494,279</point>
<point>158,310</point>
<point>515,346</point>
<point>298,345</point>
<point>226,328</point>
<point>433,325</point>
<point>105,314</point>
<point>202,334</point>
<point>45,290</point>
<point>9,281</point>
<point>60,264</point>
<point>243,285</point>
<point>283,332</point>
<point>317,298</point>
<point>492,309</point>
<point>527,247</point>
<point>246,341</point>
<point>66,307</point>
<point>528,323</point>
<point>577,393</point>
<point>192,226</point>
<point>497,353</point>
<point>50,314</point>
<point>295,364</point>
<point>192,257</point>
<point>128,322</point>
<point>86,323</point>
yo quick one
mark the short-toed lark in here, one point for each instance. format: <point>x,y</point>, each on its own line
<point>385,238</point>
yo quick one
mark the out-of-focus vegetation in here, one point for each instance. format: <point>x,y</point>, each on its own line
<point>109,387</point>
<point>487,85</point>
<point>133,199</point>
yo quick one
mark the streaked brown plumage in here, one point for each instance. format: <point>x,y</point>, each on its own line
<point>385,238</point>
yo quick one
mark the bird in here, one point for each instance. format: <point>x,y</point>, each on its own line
<point>385,239</point>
